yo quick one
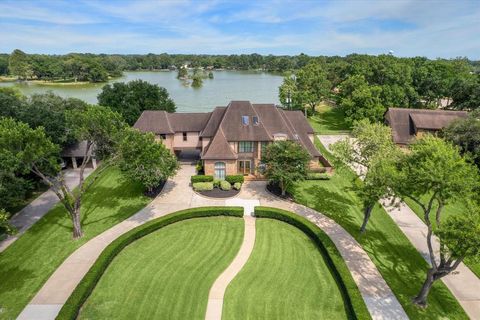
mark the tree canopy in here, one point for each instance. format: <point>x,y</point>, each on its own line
<point>132,98</point>
<point>285,163</point>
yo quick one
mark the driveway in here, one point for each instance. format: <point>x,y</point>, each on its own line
<point>178,195</point>
<point>36,209</point>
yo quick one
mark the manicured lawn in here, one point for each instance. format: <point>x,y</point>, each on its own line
<point>329,120</point>
<point>397,260</point>
<point>285,278</point>
<point>449,210</point>
<point>167,274</point>
<point>28,263</point>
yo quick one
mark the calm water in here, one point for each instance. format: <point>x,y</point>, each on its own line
<point>258,87</point>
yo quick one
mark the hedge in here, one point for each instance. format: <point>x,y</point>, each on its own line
<point>200,178</point>
<point>83,290</point>
<point>237,186</point>
<point>354,304</point>
<point>234,179</point>
<point>202,186</point>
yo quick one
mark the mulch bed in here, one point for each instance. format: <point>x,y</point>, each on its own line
<point>275,190</point>
<point>155,191</point>
<point>219,193</point>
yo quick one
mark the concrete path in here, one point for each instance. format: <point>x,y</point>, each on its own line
<point>463,284</point>
<point>178,195</point>
<point>379,298</point>
<point>217,292</point>
<point>36,209</point>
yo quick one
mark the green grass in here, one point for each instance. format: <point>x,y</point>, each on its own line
<point>168,273</point>
<point>398,261</point>
<point>29,262</point>
<point>286,277</point>
<point>449,210</point>
<point>329,120</point>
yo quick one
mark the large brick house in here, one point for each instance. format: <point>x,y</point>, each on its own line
<point>229,140</point>
<point>408,124</point>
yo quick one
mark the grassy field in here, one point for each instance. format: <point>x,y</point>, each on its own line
<point>285,278</point>
<point>167,274</point>
<point>400,264</point>
<point>329,120</point>
<point>30,261</point>
<point>449,210</point>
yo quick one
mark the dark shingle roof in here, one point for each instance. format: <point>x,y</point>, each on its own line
<point>234,129</point>
<point>77,149</point>
<point>404,121</point>
<point>219,148</point>
<point>212,123</point>
<point>154,121</point>
<point>188,122</point>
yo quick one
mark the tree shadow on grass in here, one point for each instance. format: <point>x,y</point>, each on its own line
<point>330,203</point>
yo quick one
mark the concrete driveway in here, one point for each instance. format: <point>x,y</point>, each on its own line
<point>178,195</point>
<point>36,209</point>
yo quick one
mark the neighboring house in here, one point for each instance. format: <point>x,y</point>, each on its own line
<point>230,139</point>
<point>75,153</point>
<point>407,124</point>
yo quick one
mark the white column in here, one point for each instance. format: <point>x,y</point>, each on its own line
<point>94,163</point>
<point>74,162</point>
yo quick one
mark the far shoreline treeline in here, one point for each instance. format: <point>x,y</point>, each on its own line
<point>87,67</point>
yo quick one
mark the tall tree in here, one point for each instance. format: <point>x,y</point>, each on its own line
<point>285,163</point>
<point>145,160</point>
<point>31,150</point>
<point>373,155</point>
<point>312,85</point>
<point>433,174</point>
<point>465,133</point>
<point>19,64</point>
<point>132,98</point>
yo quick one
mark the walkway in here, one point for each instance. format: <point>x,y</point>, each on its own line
<point>36,209</point>
<point>178,195</point>
<point>217,292</point>
<point>464,284</point>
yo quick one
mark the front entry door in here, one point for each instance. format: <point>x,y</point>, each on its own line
<point>244,167</point>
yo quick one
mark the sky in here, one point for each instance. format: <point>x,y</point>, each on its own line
<point>446,29</point>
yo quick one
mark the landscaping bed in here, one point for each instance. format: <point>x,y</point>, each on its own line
<point>209,187</point>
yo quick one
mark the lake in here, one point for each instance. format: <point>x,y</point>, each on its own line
<point>258,87</point>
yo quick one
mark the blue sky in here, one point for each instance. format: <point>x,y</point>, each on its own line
<point>408,27</point>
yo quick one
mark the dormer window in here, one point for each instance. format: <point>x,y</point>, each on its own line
<point>245,120</point>
<point>255,120</point>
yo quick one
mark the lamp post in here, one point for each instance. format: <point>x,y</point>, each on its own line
<point>289,100</point>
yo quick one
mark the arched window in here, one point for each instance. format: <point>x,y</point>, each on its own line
<point>220,170</point>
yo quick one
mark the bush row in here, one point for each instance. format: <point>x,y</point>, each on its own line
<point>195,179</point>
<point>232,179</point>
<point>354,303</point>
<point>83,290</point>
<point>202,186</point>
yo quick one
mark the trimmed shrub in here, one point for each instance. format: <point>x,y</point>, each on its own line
<point>237,186</point>
<point>225,185</point>
<point>195,179</point>
<point>202,186</point>
<point>216,183</point>
<point>83,290</point>
<point>235,178</point>
<point>318,176</point>
<point>354,303</point>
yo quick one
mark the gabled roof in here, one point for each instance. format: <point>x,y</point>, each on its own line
<point>234,129</point>
<point>404,122</point>
<point>154,121</point>
<point>212,123</point>
<point>219,148</point>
